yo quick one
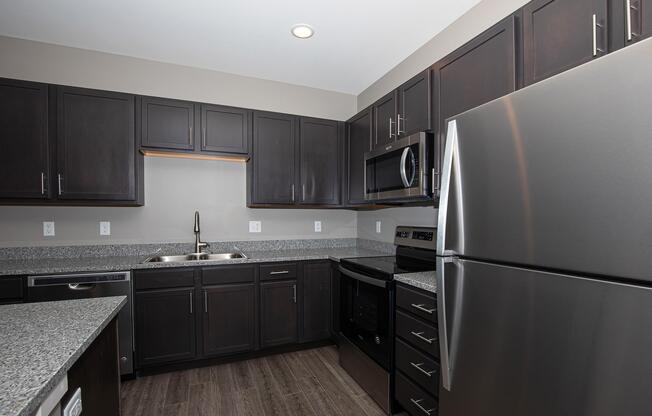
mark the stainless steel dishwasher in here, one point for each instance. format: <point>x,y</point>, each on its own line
<point>91,285</point>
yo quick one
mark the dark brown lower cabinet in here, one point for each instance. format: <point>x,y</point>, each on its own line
<point>97,374</point>
<point>165,325</point>
<point>316,301</point>
<point>278,313</point>
<point>229,319</point>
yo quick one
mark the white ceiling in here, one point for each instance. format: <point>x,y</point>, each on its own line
<point>355,42</point>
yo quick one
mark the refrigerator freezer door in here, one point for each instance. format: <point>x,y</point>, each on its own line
<point>558,174</point>
<point>524,342</point>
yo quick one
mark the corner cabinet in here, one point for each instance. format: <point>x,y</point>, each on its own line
<point>24,140</point>
<point>358,142</point>
<point>96,146</point>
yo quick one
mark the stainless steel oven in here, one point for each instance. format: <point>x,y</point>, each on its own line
<point>400,170</point>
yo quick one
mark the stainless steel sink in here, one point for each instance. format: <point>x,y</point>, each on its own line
<point>195,257</point>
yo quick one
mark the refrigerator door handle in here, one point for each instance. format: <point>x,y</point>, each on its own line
<point>445,187</point>
<point>443,325</point>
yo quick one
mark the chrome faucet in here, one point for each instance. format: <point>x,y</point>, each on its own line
<point>199,245</point>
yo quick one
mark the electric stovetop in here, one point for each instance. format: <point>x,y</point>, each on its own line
<point>386,267</point>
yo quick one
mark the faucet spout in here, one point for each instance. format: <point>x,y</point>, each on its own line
<point>199,245</point>
<point>196,222</point>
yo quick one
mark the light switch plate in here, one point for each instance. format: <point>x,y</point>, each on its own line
<point>378,227</point>
<point>105,228</point>
<point>255,226</point>
<point>318,226</point>
<point>48,228</point>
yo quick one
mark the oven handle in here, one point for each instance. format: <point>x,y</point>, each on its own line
<point>363,278</point>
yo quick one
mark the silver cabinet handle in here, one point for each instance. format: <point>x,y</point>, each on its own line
<point>596,25</point>
<point>422,308</point>
<point>59,179</point>
<point>628,15</point>
<point>42,183</point>
<point>422,338</point>
<point>417,403</point>
<point>390,127</point>
<point>205,301</point>
<point>294,293</point>
<point>292,192</point>
<point>189,134</point>
<point>190,302</point>
<point>398,124</point>
<point>303,192</point>
<point>418,367</point>
<point>280,272</point>
<point>203,140</point>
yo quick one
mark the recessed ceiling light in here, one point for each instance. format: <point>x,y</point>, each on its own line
<point>302,31</point>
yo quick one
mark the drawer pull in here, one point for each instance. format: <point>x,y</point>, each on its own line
<point>422,338</point>
<point>418,367</point>
<point>280,272</point>
<point>417,403</point>
<point>422,308</point>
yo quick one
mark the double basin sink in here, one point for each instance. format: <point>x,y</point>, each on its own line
<point>195,257</point>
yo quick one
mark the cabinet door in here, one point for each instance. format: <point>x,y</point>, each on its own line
<point>165,326</point>
<point>385,111</point>
<point>319,161</point>
<point>96,145</point>
<point>415,98</point>
<point>272,161</point>
<point>480,71</point>
<point>23,139</point>
<point>225,129</point>
<point>637,22</point>
<point>167,124</point>
<point>358,142</point>
<point>316,301</point>
<point>229,319</point>
<point>561,34</point>
<point>278,313</point>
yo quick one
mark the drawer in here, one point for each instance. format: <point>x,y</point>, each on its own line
<point>278,271</point>
<point>163,278</point>
<point>418,333</point>
<point>414,399</point>
<point>420,367</point>
<point>418,302</point>
<point>218,275</point>
<point>11,289</point>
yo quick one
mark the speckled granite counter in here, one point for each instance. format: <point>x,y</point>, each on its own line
<point>422,280</point>
<point>102,264</point>
<point>39,343</point>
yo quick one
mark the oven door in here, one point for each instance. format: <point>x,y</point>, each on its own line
<point>365,314</point>
<point>398,170</point>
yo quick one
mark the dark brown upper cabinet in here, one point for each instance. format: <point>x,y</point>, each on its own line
<point>358,142</point>
<point>561,34</point>
<point>96,146</point>
<point>24,161</point>
<point>629,22</point>
<point>414,105</point>
<point>225,129</point>
<point>229,318</point>
<point>271,175</point>
<point>279,313</point>
<point>167,124</point>
<point>319,161</point>
<point>482,70</point>
<point>384,116</point>
<point>316,301</point>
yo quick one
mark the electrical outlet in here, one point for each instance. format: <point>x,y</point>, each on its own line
<point>255,226</point>
<point>105,228</point>
<point>378,227</point>
<point>48,228</point>
<point>318,226</point>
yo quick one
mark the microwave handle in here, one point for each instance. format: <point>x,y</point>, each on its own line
<point>406,182</point>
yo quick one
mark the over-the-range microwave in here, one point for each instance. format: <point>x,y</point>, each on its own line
<point>400,171</point>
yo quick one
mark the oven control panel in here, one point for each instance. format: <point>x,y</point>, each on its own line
<point>422,237</point>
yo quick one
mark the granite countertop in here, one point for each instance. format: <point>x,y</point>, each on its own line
<point>41,341</point>
<point>422,280</point>
<point>35,266</point>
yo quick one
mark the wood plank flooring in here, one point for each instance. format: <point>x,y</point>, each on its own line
<point>309,382</point>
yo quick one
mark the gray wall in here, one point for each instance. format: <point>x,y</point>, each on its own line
<point>36,61</point>
<point>391,217</point>
<point>484,15</point>
<point>174,189</point>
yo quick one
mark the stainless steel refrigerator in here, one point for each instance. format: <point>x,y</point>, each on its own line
<point>545,247</point>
